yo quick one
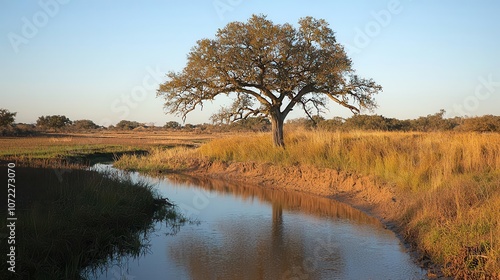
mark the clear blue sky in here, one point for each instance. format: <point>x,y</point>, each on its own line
<point>103,60</point>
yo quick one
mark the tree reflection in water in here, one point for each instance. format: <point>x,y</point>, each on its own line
<point>264,249</point>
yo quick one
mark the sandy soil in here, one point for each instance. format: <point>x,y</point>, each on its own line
<point>362,192</point>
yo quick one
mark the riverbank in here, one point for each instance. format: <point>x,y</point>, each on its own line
<point>439,191</point>
<point>66,221</point>
<point>365,193</point>
<point>70,220</point>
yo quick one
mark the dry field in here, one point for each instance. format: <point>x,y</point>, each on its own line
<point>53,146</point>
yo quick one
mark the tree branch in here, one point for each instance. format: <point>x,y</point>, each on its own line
<point>305,90</point>
<point>343,103</point>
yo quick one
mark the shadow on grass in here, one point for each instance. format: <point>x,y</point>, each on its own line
<point>69,221</point>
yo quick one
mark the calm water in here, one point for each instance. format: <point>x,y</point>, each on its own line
<point>254,233</point>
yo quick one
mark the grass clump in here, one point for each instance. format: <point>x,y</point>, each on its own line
<point>160,159</point>
<point>70,220</point>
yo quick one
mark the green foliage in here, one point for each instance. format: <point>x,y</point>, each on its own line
<point>18,129</point>
<point>307,123</point>
<point>85,124</point>
<point>434,122</point>
<point>189,126</point>
<point>69,220</point>
<point>6,117</point>
<point>367,122</point>
<point>429,123</point>
<point>127,125</point>
<point>172,125</point>
<point>333,124</point>
<point>488,123</point>
<point>54,121</point>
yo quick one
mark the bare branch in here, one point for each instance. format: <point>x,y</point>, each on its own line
<point>343,103</point>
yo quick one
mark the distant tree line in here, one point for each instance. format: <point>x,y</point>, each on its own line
<point>7,126</point>
<point>434,122</point>
<point>429,123</point>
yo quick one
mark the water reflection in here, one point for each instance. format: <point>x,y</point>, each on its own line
<point>280,199</point>
<point>248,232</point>
<point>244,252</point>
<point>288,246</point>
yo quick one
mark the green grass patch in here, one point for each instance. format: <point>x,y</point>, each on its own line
<point>70,220</point>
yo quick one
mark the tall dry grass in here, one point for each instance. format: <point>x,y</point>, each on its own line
<point>165,159</point>
<point>452,181</point>
<point>416,161</point>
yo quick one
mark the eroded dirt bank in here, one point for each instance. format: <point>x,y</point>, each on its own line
<point>362,192</point>
<point>376,198</point>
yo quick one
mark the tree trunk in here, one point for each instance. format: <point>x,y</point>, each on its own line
<point>277,120</point>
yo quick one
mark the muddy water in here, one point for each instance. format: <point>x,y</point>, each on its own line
<point>246,232</point>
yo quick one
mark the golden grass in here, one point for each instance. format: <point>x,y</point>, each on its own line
<point>159,159</point>
<point>416,161</point>
<point>452,181</point>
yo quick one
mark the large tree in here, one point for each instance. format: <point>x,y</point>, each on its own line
<point>268,69</point>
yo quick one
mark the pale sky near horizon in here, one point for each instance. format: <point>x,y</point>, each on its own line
<point>103,60</point>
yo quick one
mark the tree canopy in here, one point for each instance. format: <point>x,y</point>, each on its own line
<point>85,124</point>
<point>54,121</point>
<point>127,125</point>
<point>268,69</point>
<point>6,117</point>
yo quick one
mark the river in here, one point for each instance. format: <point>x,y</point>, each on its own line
<point>246,232</point>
